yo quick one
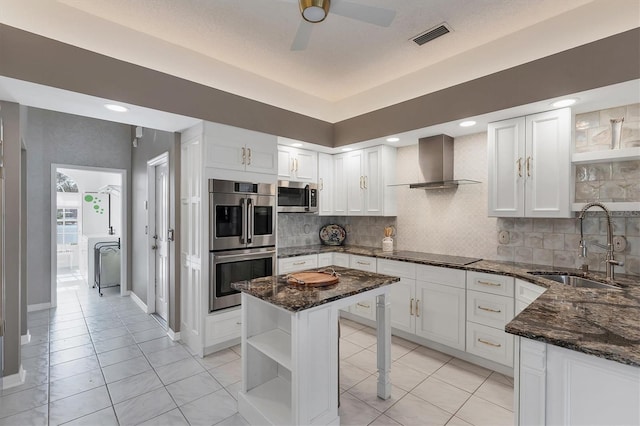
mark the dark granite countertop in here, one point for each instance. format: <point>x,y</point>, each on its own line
<point>278,292</point>
<point>601,322</point>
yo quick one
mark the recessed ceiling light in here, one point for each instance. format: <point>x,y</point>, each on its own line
<point>393,139</point>
<point>296,145</point>
<point>468,123</point>
<point>563,103</point>
<point>347,149</point>
<point>116,108</point>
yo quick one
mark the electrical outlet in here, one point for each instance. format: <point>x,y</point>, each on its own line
<point>503,237</point>
<point>619,243</point>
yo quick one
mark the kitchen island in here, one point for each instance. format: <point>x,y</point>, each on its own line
<point>290,345</point>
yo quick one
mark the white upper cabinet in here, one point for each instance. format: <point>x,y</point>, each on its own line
<point>232,148</point>
<point>529,162</point>
<point>298,165</point>
<point>365,176</point>
<point>325,184</point>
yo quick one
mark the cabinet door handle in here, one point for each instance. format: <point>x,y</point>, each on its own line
<point>486,342</point>
<point>244,155</point>
<point>363,305</point>
<point>293,165</point>
<point>365,182</point>
<point>249,156</point>
<point>296,160</point>
<point>417,306</point>
<point>489,283</point>
<point>411,306</point>
<point>361,184</point>
<point>519,163</point>
<point>321,184</point>
<point>529,166</point>
<point>489,309</point>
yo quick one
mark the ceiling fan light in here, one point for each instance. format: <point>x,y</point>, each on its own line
<point>314,10</point>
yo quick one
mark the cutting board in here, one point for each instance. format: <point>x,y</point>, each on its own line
<point>312,279</point>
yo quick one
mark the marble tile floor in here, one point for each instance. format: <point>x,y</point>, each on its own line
<point>102,361</point>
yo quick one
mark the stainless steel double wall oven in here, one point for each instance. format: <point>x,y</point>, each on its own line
<point>242,237</point>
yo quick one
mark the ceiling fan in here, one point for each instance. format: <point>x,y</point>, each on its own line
<point>315,11</point>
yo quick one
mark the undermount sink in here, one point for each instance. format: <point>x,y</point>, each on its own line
<point>572,280</point>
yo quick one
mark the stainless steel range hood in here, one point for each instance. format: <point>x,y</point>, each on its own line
<point>435,156</point>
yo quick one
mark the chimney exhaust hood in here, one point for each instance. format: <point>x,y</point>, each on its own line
<point>435,156</point>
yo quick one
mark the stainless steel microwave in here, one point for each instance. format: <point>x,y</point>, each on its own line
<point>297,197</point>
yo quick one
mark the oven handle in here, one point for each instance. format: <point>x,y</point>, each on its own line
<point>249,220</point>
<point>244,215</point>
<point>242,256</point>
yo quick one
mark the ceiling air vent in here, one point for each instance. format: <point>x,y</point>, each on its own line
<point>431,34</point>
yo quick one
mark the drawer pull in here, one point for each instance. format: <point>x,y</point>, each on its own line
<point>238,322</point>
<point>300,263</point>
<point>417,312</point>
<point>363,263</point>
<point>489,309</point>
<point>411,306</point>
<point>489,283</point>
<point>363,305</point>
<point>486,342</point>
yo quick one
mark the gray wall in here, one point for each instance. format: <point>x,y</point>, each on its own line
<point>12,252</point>
<point>153,143</point>
<point>37,59</point>
<point>53,137</point>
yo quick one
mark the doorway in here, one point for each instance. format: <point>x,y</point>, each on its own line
<point>88,210</point>
<point>158,236</point>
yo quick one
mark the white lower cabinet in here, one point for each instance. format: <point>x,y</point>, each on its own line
<point>440,305</point>
<point>490,307</point>
<point>297,263</point>
<point>364,308</point>
<point>557,386</point>
<point>432,306</point>
<point>223,327</point>
<point>526,293</point>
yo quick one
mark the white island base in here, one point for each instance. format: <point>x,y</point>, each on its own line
<point>290,360</point>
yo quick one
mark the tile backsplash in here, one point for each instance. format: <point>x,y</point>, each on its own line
<point>296,229</point>
<point>555,242</point>
<point>615,181</point>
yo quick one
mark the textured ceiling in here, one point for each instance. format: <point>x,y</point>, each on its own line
<point>349,67</point>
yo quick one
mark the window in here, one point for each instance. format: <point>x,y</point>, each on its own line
<point>67,224</point>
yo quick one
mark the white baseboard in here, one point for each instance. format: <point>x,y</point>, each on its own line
<point>38,307</point>
<point>14,380</point>
<point>138,301</point>
<point>25,338</point>
<point>173,335</point>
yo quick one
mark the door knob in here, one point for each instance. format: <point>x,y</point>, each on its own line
<point>154,247</point>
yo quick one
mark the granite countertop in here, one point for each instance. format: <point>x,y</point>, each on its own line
<point>294,298</point>
<point>601,322</point>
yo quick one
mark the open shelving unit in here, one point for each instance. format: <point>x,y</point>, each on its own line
<point>606,156</point>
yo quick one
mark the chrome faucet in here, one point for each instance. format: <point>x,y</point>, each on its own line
<point>610,262</point>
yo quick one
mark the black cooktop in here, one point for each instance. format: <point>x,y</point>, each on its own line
<point>435,258</point>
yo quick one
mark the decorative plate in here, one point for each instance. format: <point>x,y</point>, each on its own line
<point>332,235</point>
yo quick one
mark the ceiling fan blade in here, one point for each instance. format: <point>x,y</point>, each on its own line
<point>360,12</point>
<point>301,40</point>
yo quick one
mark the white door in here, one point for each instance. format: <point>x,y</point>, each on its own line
<point>160,236</point>
<point>355,182</point>
<point>403,305</point>
<point>325,184</point>
<point>548,164</point>
<point>373,183</point>
<point>506,164</point>
<point>440,313</point>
